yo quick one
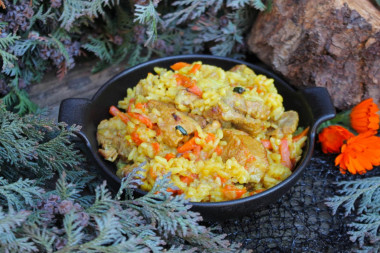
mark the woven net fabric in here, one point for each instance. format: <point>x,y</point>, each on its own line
<point>299,221</point>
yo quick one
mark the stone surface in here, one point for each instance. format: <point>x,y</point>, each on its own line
<point>333,44</point>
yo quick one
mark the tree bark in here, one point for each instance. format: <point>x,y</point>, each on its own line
<point>333,44</point>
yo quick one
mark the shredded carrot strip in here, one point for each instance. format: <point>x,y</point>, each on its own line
<point>218,150</point>
<point>186,155</point>
<point>142,118</point>
<point>222,179</point>
<point>157,129</point>
<point>267,144</point>
<point>232,192</point>
<point>195,90</point>
<point>187,146</point>
<point>210,137</point>
<point>136,138</point>
<point>152,173</point>
<point>131,101</point>
<point>175,192</point>
<point>179,65</point>
<point>187,179</point>
<point>195,68</point>
<point>285,154</point>
<point>169,156</point>
<point>300,135</point>
<point>140,106</point>
<point>156,147</point>
<point>116,112</point>
<point>184,80</point>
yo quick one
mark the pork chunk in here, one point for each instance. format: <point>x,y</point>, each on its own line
<point>255,109</point>
<point>169,119</point>
<point>110,136</point>
<point>248,152</point>
<point>248,124</point>
<point>287,124</point>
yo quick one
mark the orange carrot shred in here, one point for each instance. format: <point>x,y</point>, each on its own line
<point>136,138</point>
<point>184,81</point>
<point>142,118</point>
<point>169,156</point>
<point>232,192</point>
<point>116,112</point>
<point>156,147</point>
<point>195,90</point>
<point>195,68</point>
<point>285,154</point>
<point>222,179</point>
<point>267,144</point>
<point>131,101</point>
<point>187,179</point>
<point>187,146</point>
<point>152,173</point>
<point>140,106</point>
<point>218,150</point>
<point>210,137</point>
<point>179,65</point>
<point>300,135</point>
<point>157,129</point>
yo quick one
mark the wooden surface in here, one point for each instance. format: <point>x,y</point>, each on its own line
<point>78,83</point>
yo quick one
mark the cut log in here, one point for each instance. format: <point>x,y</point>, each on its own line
<point>333,44</point>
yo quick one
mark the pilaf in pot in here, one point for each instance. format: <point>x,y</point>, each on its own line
<point>222,135</point>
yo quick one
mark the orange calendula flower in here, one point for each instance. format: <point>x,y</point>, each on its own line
<point>364,117</point>
<point>359,154</point>
<point>332,138</point>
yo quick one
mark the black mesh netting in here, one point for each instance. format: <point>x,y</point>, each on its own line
<point>299,221</point>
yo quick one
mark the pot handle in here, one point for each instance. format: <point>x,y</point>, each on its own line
<point>73,111</point>
<point>320,103</point>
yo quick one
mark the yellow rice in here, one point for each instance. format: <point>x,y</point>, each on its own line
<point>209,176</point>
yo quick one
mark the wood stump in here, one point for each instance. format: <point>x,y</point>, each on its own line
<point>333,44</point>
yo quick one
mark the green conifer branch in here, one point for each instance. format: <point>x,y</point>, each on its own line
<point>148,16</point>
<point>362,195</point>
<point>9,241</point>
<point>41,16</point>
<point>8,59</point>
<point>20,193</point>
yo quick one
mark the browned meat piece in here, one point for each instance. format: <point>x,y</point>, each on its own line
<point>169,119</point>
<point>199,119</point>
<point>110,136</point>
<point>248,151</point>
<point>287,124</point>
<point>248,124</point>
<point>186,98</point>
<point>255,109</point>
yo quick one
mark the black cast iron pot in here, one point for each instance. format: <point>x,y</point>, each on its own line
<point>313,105</point>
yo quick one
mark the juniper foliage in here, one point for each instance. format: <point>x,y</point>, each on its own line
<point>363,197</point>
<point>40,36</point>
<point>47,206</point>
<point>33,144</point>
<point>151,223</point>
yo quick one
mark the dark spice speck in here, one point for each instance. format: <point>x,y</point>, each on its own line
<point>239,90</point>
<point>181,129</point>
